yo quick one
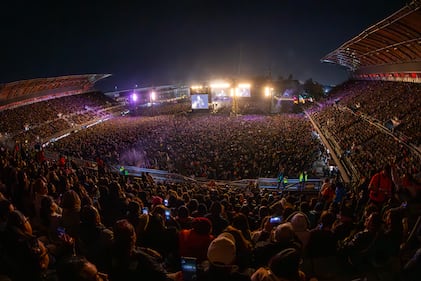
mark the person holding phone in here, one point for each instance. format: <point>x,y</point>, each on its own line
<point>159,233</point>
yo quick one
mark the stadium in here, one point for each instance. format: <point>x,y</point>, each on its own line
<point>229,179</point>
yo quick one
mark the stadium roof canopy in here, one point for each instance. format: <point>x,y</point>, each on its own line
<point>395,40</point>
<point>36,88</point>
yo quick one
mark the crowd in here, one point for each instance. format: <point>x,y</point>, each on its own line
<point>60,221</point>
<point>46,118</point>
<point>365,142</point>
<point>385,100</point>
<point>367,146</point>
<point>210,146</point>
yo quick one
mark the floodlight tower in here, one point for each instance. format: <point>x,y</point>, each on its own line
<point>152,97</point>
<point>234,94</point>
<point>269,93</point>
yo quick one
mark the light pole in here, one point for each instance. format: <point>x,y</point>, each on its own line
<point>152,99</point>
<point>234,93</point>
<point>235,101</point>
<point>269,93</point>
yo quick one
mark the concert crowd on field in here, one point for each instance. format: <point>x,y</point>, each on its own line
<point>221,147</point>
<point>61,221</point>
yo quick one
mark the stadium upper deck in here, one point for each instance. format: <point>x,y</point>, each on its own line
<point>34,90</point>
<point>388,50</point>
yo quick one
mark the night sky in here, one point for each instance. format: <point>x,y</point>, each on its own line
<point>151,43</point>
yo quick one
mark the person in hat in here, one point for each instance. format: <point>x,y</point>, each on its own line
<point>222,251</point>
<point>222,260</point>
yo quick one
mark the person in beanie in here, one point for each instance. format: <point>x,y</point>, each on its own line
<point>222,261</point>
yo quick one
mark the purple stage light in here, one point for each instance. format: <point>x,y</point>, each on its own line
<point>134,97</point>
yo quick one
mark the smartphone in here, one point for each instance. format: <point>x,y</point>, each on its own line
<point>166,202</point>
<point>61,231</point>
<point>189,268</point>
<point>167,215</point>
<point>145,211</point>
<point>404,204</point>
<point>275,220</point>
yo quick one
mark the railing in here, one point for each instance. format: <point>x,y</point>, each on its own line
<point>294,185</point>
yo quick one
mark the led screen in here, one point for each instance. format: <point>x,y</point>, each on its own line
<point>220,92</point>
<point>199,102</point>
<point>243,92</point>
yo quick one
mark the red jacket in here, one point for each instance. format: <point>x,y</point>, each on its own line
<point>193,244</point>
<point>380,187</point>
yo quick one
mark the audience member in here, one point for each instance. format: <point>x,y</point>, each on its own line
<point>282,266</point>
